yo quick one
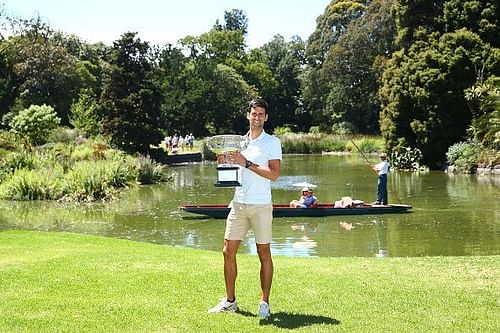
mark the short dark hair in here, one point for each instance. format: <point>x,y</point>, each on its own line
<point>258,102</point>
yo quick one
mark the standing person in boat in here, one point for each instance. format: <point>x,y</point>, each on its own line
<point>252,207</point>
<point>381,168</point>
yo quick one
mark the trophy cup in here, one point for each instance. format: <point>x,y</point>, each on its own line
<point>228,174</point>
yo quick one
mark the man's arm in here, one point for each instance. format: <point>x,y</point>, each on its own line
<point>272,172</point>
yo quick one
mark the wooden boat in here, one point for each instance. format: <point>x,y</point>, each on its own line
<point>283,210</point>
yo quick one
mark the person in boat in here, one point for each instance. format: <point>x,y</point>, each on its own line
<point>252,207</point>
<point>381,169</point>
<point>307,199</point>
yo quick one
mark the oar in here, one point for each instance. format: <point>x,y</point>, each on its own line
<point>367,161</point>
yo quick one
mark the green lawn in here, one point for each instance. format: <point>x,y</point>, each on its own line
<point>55,282</point>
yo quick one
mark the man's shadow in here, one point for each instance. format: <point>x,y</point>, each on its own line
<point>292,320</point>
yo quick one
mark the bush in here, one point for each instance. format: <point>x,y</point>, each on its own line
<point>84,114</point>
<point>282,130</point>
<point>30,185</point>
<point>148,171</point>
<point>94,180</point>
<point>64,135</point>
<point>17,161</point>
<point>406,158</point>
<point>464,156</point>
<point>35,123</point>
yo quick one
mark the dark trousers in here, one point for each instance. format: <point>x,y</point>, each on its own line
<point>382,189</point>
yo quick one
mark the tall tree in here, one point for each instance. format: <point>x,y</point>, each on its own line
<point>131,98</point>
<point>330,26</point>
<point>422,92</point>
<point>352,69</point>
<point>282,59</point>
<point>43,72</point>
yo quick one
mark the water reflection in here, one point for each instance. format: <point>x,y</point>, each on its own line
<point>453,214</point>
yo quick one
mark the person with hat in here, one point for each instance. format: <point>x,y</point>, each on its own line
<point>381,169</point>
<point>307,199</point>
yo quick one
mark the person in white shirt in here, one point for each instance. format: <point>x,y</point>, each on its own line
<point>382,169</point>
<point>252,207</point>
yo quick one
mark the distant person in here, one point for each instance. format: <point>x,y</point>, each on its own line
<point>307,199</point>
<point>381,169</point>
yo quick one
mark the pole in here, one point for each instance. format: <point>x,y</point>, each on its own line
<point>362,154</point>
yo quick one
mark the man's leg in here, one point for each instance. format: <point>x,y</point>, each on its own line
<point>266,270</point>
<point>230,267</point>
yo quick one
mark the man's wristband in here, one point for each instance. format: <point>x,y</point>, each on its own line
<point>248,164</point>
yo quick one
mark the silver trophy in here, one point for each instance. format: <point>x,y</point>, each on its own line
<point>228,174</point>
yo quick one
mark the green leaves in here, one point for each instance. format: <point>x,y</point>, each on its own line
<point>35,123</point>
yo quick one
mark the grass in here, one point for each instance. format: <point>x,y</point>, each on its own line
<point>55,282</point>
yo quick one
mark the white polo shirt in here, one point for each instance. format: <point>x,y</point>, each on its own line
<point>256,189</point>
<point>383,167</point>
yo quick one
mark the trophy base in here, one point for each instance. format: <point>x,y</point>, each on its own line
<point>227,184</point>
<point>227,176</point>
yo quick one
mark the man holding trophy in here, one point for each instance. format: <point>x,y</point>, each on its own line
<point>259,162</point>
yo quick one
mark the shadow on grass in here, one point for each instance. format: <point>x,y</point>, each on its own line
<point>292,320</point>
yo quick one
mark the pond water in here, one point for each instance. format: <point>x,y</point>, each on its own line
<point>453,215</point>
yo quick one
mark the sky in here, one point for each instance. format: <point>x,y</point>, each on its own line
<point>166,21</point>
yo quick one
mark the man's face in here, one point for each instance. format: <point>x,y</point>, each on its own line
<point>257,117</point>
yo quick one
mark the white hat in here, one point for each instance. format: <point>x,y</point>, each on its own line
<point>305,189</point>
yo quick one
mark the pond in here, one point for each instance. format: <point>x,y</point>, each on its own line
<point>453,215</point>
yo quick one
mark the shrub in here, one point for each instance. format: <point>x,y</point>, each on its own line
<point>94,180</point>
<point>35,123</point>
<point>84,114</point>
<point>406,158</point>
<point>282,130</point>
<point>148,171</point>
<point>17,161</point>
<point>30,185</point>
<point>64,135</point>
<point>342,128</point>
<point>464,156</point>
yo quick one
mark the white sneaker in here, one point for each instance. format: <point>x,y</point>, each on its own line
<point>224,306</point>
<point>264,310</point>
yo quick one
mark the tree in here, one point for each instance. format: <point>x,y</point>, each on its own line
<point>352,69</point>
<point>330,26</point>
<point>283,60</point>
<point>131,98</point>
<point>84,113</point>
<point>423,92</point>
<point>43,72</point>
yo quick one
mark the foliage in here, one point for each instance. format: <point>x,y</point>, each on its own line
<point>423,92</point>
<point>352,69</point>
<point>35,123</point>
<point>13,161</point>
<point>9,140</point>
<point>89,171</point>
<point>43,71</point>
<point>317,143</point>
<point>26,184</point>
<point>64,135</point>
<point>464,156</point>
<point>148,171</point>
<point>84,114</point>
<point>406,158</point>
<point>94,180</point>
<point>131,98</point>
<point>484,102</point>
<point>282,130</point>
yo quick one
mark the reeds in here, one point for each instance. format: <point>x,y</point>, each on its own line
<point>86,172</point>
